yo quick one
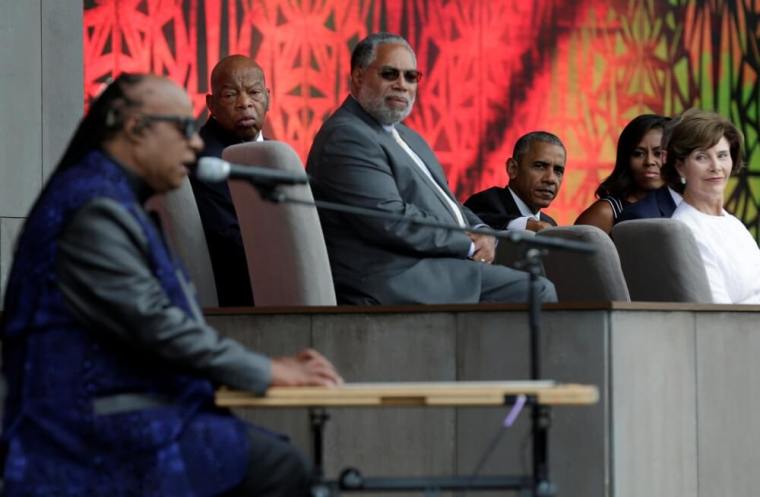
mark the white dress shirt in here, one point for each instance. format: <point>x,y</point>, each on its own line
<point>521,223</point>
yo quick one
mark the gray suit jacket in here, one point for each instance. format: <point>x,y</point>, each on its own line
<point>354,160</point>
<point>102,270</point>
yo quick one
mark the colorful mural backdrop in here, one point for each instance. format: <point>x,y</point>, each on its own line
<point>494,69</point>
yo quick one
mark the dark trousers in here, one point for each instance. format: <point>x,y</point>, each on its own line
<point>276,468</point>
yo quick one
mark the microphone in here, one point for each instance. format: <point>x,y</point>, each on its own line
<point>214,170</point>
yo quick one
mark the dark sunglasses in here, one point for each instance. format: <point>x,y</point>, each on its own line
<point>391,74</point>
<point>185,125</point>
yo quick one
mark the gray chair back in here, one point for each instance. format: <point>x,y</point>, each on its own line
<point>661,261</point>
<point>284,245</point>
<point>181,224</point>
<point>584,277</point>
<point>512,254</point>
<point>509,253</point>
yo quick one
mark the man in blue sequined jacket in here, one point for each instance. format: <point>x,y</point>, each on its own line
<point>110,366</point>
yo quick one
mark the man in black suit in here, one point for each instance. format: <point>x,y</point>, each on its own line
<point>237,107</point>
<point>661,202</point>
<point>535,171</point>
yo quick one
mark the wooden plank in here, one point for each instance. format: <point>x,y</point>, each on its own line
<point>476,393</point>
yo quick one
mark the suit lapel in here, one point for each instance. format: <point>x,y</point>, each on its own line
<point>430,163</point>
<point>547,219</point>
<point>510,206</point>
<point>426,154</point>
<point>400,157</point>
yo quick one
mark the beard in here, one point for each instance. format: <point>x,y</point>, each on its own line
<point>375,106</point>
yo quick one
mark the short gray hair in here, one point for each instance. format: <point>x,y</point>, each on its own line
<point>523,143</point>
<point>365,51</point>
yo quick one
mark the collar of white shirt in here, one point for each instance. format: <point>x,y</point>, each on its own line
<point>523,207</point>
<point>677,197</point>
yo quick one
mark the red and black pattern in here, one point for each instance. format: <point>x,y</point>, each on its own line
<point>494,69</point>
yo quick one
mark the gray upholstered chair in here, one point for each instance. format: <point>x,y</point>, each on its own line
<point>661,261</point>
<point>508,253</point>
<point>284,245</point>
<point>579,277</point>
<point>182,226</point>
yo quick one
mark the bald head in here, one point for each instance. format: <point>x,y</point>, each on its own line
<point>230,65</point>
<point>239,98</point>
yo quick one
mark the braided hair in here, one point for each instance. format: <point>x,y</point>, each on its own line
<point>104,119</point>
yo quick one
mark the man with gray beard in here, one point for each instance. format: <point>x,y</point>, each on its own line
<point>363,156</point>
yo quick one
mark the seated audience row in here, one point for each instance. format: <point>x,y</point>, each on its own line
<point>700,152</point>
<point>363,156</point>
<point>685,178</point>
<point>372,260</point>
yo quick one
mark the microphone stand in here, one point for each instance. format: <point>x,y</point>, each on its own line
<point>540,414</point>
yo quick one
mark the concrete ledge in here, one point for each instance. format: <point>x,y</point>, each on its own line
<point>669,377</point>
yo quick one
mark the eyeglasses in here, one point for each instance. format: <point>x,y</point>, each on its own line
<point>185,125</point>
<point>389,73</point>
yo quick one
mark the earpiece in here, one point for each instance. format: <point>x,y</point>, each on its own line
<point>113,119</point>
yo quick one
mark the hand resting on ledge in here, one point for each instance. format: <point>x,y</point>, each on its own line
<point>307,368</point>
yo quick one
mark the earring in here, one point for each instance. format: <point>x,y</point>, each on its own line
<point>683,180</point>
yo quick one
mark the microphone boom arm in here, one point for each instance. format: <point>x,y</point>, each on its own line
<point>274,195</point>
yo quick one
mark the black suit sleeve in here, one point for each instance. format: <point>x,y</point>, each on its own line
<point>488,206</point>
<point>225,244</point>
